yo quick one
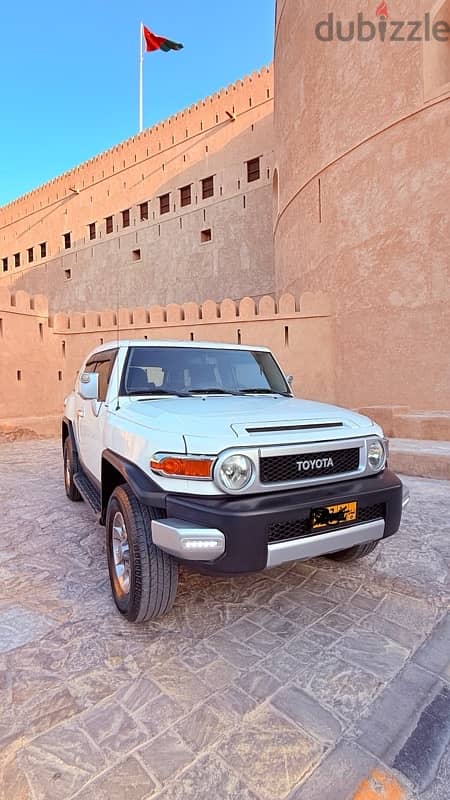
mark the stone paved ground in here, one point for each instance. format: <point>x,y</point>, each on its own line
<point>315,682</point>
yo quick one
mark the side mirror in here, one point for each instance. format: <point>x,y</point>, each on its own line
<point>290,379</point>
<point>89,386</point>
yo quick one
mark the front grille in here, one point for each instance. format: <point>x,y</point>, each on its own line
<point>278,469</point>
<point>298,528</point>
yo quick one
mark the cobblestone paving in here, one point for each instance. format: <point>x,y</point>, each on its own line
<point>319,681</point>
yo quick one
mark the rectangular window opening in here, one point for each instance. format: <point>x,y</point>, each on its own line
<point>67,240</point>
<point>17,259</point>
<point>19,374</point>
<point>143,211</point>
<point>206,236</point>
<point>208,187</point>
<point>109,224</point>
<point>30,254</point>
<point>253,169</point>
<point>164,203</point>
<point>43,246</point>
<point>68,274</point>
<point>126,218</point>
<point>92,231</point>
<point>185,196</point>
<point>5,264</point>
<point>136,254</point>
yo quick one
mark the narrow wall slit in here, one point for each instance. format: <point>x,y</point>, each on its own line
<point>320,200</point>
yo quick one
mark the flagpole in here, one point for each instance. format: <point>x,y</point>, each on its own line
<point>141,78</point>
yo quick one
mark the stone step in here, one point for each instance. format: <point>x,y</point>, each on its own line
<point>428,425</point>
<point>424,459</point>
<point>384,416</point>
<point>401,422</point>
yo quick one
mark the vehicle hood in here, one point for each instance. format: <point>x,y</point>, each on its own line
<point>211,423</point>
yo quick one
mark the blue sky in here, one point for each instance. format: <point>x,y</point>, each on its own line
<point>69,73</point>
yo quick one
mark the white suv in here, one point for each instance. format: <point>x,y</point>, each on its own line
<point>198,452</point>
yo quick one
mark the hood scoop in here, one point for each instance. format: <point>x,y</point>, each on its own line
<point>309,426</point>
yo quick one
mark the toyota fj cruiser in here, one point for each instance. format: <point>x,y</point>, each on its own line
<point>199,453</point>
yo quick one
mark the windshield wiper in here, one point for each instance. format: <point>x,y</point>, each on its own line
<point>214,391</point>
<point>262,391</point>
<point>149,395</point>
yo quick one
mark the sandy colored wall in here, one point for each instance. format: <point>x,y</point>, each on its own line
<point>174,265</point>
<point>48,351</point>
<point>361,197</point>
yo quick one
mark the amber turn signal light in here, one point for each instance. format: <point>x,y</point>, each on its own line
<point>183,467</point>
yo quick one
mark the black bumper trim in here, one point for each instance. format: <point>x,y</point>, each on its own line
<point>245,521</point>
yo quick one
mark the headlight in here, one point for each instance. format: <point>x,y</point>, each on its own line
<point>376,455</point>
<point>235,472</point>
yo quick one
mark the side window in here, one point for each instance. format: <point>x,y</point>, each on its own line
<point>104,369</point>
<point>90,366</point>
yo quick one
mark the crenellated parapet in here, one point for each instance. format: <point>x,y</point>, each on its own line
<point>216,109</point>
<point>21,302</point>
<point>40,355</point>
<point>246,310</point>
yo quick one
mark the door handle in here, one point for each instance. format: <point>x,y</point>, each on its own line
<point>80,413</point>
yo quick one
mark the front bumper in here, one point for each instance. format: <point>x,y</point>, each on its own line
<point>238,529</point>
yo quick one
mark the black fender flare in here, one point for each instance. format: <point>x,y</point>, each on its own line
<point>146,490</point>
<point>69,425</point>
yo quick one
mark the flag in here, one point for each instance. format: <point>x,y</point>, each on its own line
<point>153,42</point>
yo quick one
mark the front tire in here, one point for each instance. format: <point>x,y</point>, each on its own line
<point>71,467</point>
<point>143,578</point>
<point>354,553</point>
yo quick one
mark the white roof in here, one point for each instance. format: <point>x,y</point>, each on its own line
<point>125,343</point>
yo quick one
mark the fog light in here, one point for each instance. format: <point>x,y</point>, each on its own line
<point>201,544</point>
<point>376,455</point>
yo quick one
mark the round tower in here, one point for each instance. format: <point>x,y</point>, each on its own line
<point>361,191</point>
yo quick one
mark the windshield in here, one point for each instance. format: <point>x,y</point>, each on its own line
<point>187,370</point>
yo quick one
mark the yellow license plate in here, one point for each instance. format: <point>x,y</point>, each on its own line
<point>330,516</point>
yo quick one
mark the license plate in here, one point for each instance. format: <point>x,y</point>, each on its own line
<point>330,516</point>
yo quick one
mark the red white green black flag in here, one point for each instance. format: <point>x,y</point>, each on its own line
<point>152,43</point>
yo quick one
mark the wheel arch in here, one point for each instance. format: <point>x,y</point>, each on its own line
<point>67,431</point>
<point>116,471</point>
